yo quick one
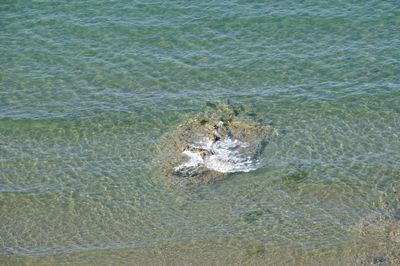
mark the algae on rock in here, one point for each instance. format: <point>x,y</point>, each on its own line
<point>221,140</point>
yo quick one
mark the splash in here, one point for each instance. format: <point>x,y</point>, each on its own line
<point>224,156</point>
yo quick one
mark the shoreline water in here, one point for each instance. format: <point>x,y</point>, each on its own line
<point>89,90</point>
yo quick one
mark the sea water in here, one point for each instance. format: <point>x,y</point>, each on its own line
<point>89,88</point>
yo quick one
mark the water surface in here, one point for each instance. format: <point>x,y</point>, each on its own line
<point>89,89</point>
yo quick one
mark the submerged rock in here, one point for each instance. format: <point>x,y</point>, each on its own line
<point>383,229</point>
<point>221,140</point>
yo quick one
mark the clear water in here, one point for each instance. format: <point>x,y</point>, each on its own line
<point>89,88</point>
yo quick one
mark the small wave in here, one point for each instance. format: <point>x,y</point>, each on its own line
<point>39,188</point>
<point>223,156</point>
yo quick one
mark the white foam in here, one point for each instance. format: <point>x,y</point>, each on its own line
<point>195,160</point>
<point>225,156</point>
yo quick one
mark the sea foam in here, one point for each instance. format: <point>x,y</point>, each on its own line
<point>223,156</point>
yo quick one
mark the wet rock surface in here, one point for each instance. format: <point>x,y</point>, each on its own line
<point>219,141</point>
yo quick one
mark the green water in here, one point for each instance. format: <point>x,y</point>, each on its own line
<point>88,89</point>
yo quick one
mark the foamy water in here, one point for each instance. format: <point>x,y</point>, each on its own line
<point>225,156</point>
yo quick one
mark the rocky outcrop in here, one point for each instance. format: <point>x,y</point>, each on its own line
<point>219,141</point>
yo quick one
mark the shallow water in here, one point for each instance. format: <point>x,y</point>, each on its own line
<point>89,89</point>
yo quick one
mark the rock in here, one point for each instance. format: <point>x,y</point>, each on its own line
<point>219,141</point>
<point>383,230</point>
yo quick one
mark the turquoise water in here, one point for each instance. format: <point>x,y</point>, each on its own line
<point>88,90</point>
